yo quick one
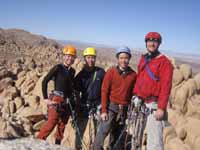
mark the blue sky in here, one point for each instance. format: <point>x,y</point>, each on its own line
<point>111,22</point>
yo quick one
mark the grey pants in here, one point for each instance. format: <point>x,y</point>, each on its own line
<point>155,132</point>
<point>112,126</point>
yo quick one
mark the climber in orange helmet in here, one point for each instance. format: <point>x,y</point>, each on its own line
<point>58,108</point>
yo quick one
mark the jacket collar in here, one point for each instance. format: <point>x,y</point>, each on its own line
<point>125,72</point>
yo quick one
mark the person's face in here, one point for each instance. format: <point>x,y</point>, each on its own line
<point>152,45</point>
<point>90,60</point>
<point>69,59</point>
<point>123,60</point>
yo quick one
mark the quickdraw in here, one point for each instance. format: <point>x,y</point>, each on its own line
<point>94,118</point>
<point>135,125</point>
<point>136,122</point>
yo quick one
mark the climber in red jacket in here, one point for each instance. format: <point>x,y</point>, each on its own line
<point>153,85</point>
<point>116,93</point>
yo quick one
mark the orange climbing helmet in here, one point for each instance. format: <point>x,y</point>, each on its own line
<point>69,50</point>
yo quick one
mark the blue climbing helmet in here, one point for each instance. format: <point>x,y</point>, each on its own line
<point>123,49</point>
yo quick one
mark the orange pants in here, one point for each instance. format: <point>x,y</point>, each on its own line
<point>54,118</point>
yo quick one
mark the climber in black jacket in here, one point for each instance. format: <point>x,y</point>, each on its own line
<point>58,108</point>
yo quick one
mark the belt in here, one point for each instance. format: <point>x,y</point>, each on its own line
<point>88,106</point>
<point>149,99</point>
<point>150,103</point>
<point>120,105</point>
<point>153,106</point>
<point>151,111</point>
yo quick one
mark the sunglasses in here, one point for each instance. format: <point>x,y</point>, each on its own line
<point>153,40</point>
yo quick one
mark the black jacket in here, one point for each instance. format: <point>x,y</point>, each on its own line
<point>63,80</point>
<point>88,85</point>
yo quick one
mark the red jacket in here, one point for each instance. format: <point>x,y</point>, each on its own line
<point>145,86</point>
<point>116,88</point>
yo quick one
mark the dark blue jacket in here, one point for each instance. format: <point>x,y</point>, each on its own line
<point>88,85</point>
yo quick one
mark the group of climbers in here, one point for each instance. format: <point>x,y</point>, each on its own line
<point>113,90</point>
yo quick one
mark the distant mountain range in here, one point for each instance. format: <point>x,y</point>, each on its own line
<point>81,45</point>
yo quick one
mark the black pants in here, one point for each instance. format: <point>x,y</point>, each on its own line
<point>111,125</point>
<point>82,122</point>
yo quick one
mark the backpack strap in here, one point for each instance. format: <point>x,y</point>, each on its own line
<point>150,73</point>
<point>92,81</point>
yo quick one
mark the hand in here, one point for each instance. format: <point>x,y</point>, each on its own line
<point>104,116</point>
<point>159,114</point>
<point>49,102</point>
